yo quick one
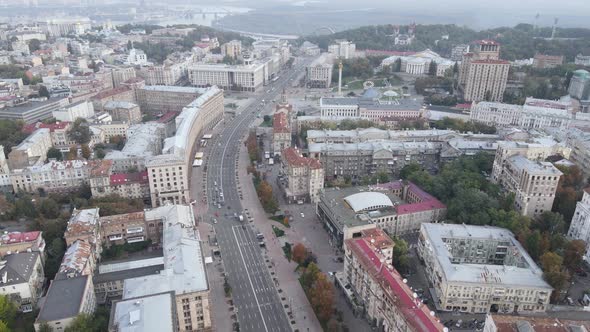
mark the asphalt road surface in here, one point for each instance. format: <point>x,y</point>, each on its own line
<point>259,307</point>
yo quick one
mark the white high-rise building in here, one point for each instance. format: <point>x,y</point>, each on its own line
<point>580,225</point>
<point>343,49</point>
<point>136,57</point>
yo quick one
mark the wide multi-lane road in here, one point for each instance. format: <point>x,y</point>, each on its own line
<point>259,307</point>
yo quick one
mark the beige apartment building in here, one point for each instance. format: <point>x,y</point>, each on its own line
<point>482,74</point>
<point>232,49</point>
<point>520,169</point>
<point>281,133</point>
<point>168,173</point>
<point>379,289</point>
<point>123,111</point>
<point>130,228</point>
<point>247,77</point>
<point>160,99</point>
<point>304,176</point>
<point>33,149</point>
<point>319,73</point>
<point>481,269</point>
<point>162,74</point>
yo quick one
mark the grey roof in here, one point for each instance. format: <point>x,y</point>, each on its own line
<point>529,276</point>
<point>543,168</point>
<point>367,200</point>
<point>63,299</point>
<point>30,106</point>
<point>127,274</point>
<point>154,313</point>
<point>17,268</point>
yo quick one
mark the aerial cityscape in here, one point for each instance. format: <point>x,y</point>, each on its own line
<point>294,166</point>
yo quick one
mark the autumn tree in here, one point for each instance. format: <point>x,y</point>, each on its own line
<point>86,152</point>
<point>321,296</point>
<point>299,253</point>
<point>252,146</point>
<point>574,251</point>
<point>553,271</point>
<point>309,276</point>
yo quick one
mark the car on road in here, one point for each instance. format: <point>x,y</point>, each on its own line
<point>302,215</point>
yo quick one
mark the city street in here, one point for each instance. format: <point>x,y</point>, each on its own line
<point>257,302</point>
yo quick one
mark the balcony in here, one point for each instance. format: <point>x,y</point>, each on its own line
<point>135,239</point>
<point>115,237</point>
<point>134,230</point>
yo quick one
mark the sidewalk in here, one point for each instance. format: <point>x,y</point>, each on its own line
<point>285,277</point>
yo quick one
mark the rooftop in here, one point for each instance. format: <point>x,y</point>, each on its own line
<point>31,127</point>
<point>153,313</point>
<point>17,268</point>
<point>76,258</point>
<point>111,104</point>
<point>127,178</point>
<point>121,218</point>
<point>537,324</point>
<point>365,201</point>
<point>280,123</point>
<point>18,237</point>
<point>544,168</point>
<point>33,139</point>
<point>83,221</point>
<point>184,267</point>
<point>63,299</point>
<point>294,158</point>
<point>178,89</point>
<point>111,92</point>
<point>416,314</point>
<point>32,105</point>
<point>524,273</point>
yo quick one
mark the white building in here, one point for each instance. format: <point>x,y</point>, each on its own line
<point>481,269</point>
<point>419,63</point>
<point>534,114</point>
<point>32,150</point>
<point>162,74</point>
<point>343,49</point>
<point>65,26</point>
<point>305,176</point>
<point>232,49</point>
<point>318,74</point>
<point>582,60</point>
<point>136,57</point>
<point>249,77</point>
<point>580,224</point>
<point>82,109</point>
<point>4,170</point>
<point>21,279</point>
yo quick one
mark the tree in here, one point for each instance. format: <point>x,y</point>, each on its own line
<point>43,92</point>
<point>574,251</point>
<point>73,153</point>
<point>397,65</point>
<point>99,153</point>
<point>54,153</point>
<point>44,327</point>
<point>80,131</point>
<point>118,140</point>
<point>550,222</point>
<point>321,296</point>
<point>86,152</point>
<point>82,323</point>
<point>409,169</point>
<point>432,68</point>
<point>34,45</point>
<point>7,310</point>
<point>309,276</point>
<point>49,208</point>
<point>4,327</point>
<point>400,255</point>
<point>267,118</point>
<point>299,253</point>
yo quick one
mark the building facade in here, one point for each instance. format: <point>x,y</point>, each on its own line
<point>160,99</point>
<point>248,77</point>
<point>580,224</point>
<point>304,176</point>
<point>481,269</point>
<point>482,75</point>
<point>123,111</point>
<point>31,151</point>
<point>281,133</point>
<point>22,279</point>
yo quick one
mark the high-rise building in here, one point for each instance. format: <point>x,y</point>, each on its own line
<point>580,225</point>
<point>232,49</point>
<point>580,85</point>
<point>319,73</point>
<point>305,176</point>
<point>343,49</point>
<point>482,74</point>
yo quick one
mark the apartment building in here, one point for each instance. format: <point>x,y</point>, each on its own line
<point>580,85</point>
<point>128,185</point>
<point>55,176</point>
<point>12,242</point>
<point>232,49</point>
<point>79,260</point>
<point>121,93</point>
<point>166,74</point>
<point>534,114</point>
<point>151,313</point>
<point>111,129</point>
<point>65,300</point>
<point>580,224</point>
<point>130,228</point>
<point>482,75</point>
<point>520,168</point>
<point>378,287</point>
<point>160,99</point>
<point>371,134</point>
<point>84,226</point>
<point>247,77</point>
<point>143,141</point>
<point>579,142</point>
<point>419,63</point>
<point>281,133</point>
<point>499,323</point>
<point>5,182</point>
<point>168,173</point>
<point>396,207</point>
<point>33,111</point>
<point>184,270</point>
<point>81,109</point>
<point>543,61</point>
<point>123,111</point>
<point>458,51</point>
<point>342,49</point>
<point>304,176</point>
<point>582,60</point>
<point>22,279</point>
<point>31,151</point>
<point>318,74</point>
<point>357,160</point>
<point>481,269</point>
<point>122,74</point>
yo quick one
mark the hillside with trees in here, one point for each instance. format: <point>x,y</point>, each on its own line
<point>519,42</point>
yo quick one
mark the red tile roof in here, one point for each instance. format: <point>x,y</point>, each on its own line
<point>31,127</point>
<point>18,237</point>
<point>167,117</point>
<point>100,167</point>
<point>280,123</point>
<point>111,92</point>
<point>126,178</point>
<point>416,315</point>
<point>294,158</point>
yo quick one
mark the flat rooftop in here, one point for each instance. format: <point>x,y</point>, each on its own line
<point>153,313</point>
<point>63,299</point>
<point>528,276</point>
<point>544,168</point>
<point>170,88</point>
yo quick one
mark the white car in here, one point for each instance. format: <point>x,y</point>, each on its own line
<point>302,215</point>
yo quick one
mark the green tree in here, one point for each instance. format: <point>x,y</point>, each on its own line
<point>432,68</point>
<point>82,323</point>
<point>409,169</point>
<point>54,153</point>
<point>43,92</point>
<point>44,327</point>
<point>34,45</point>
<point>4,327</point>
<point>309,276</point>
<point>550,222</point>
<point>99,153</point>
<point>80,131</point>
<point>73,153</point>
<point>7,310</point>
<point>574,251</point>
<point>400,255</point>
<point>49,208</point>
